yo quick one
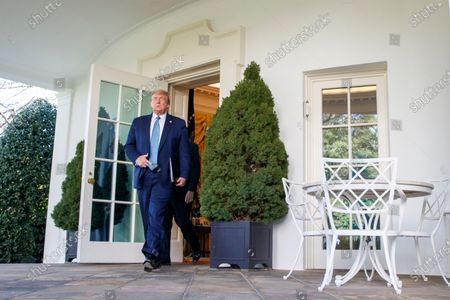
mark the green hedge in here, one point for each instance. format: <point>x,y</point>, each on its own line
<point>26,149</point>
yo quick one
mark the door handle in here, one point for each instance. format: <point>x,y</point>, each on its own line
<point>91,180</point>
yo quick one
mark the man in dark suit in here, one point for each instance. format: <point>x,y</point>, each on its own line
<point>159,147</point>
<point>181,207</point>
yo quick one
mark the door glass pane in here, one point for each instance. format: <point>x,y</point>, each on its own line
<point>109,97</point>
<point>335,142</point>
<point>146,109</point>
<point>103,179</point>
<point>365,142</point>
<point>100,221</point>
<point>363,104</point>
<point>334,106</point>
<point>364,138</point>
<point>122,223</point>
<point>123,135</point>
<point>124,182</point>
<point>139,228</point>
<point>105,140</point>
<point>129,107</point>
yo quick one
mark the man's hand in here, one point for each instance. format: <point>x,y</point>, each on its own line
<point>189,197</point>
<point>142,161</point>
<point>180,182</point>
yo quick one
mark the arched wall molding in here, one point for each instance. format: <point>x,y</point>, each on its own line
<point>197,44</point>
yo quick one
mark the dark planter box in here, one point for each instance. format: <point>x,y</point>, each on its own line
<point>245,244</point>
<point>71,245</point>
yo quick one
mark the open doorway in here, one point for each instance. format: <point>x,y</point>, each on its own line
<point>195,98</point>
<point>203,104</point>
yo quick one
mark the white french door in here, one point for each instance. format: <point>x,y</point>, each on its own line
<point>345,117</point>
<point>109,208</point>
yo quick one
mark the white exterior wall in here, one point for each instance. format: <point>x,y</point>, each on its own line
<point>358,33</point>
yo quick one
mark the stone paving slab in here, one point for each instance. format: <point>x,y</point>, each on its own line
<point>129,281</point>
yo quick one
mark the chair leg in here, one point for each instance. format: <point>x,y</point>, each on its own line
<point>393,276</point>
<point>285,277</point>
<point>419,259</point>
<point>393,260</point>
<point>438,261</point>
<point>330,261</point>
<point>329,243</point>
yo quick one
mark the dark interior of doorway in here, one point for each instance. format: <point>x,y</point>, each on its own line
<point>203,104</point>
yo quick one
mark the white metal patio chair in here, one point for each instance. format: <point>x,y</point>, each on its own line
<point>307,212</point>
<point>361,190</point>
<point>432,213</point>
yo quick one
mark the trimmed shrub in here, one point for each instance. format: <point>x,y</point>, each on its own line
<point>244,158</point>
<point>67,211</point>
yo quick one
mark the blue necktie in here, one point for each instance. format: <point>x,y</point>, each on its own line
<point>154,145</point>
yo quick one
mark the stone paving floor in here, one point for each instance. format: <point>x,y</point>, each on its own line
<point>129,281</point>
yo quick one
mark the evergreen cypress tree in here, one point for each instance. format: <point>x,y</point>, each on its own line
<point>66,212</point>
<point>244,158</point>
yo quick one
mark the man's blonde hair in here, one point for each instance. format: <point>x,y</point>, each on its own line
<point>162,92</point>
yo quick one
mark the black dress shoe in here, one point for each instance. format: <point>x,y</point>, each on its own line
<point>156,264</point>
<point>166,263</point>
<point>195,257</point>
<point>148,266</point>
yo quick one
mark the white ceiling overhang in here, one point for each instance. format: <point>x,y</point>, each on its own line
<point>42,40</point>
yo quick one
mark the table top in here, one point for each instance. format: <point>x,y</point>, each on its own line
<point>411,188</point>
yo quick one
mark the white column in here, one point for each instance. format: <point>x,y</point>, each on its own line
<point>55,238</point>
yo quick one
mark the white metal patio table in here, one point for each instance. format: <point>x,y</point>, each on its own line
<point>405,189</point>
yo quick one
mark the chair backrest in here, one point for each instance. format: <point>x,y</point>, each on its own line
<point>435,205</point>
<point>303,207</point>
<point>359,187</point>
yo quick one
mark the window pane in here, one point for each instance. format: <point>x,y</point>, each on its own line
<point>146,109</point>
<point>109,96</point>
<point>335,142</point>
<point>100,221</point>
<point>124,182</point>
<point>105,140</point>
<point>365,142</point>
<point>122,223</point>
<point>334,106</point>
<point>123,135</point>
<point>363,104</point>
<point>129,107</point>
<point>103,178</point>
<point>138,228</point>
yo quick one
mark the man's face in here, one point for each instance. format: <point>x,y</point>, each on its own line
<point>160,104</point>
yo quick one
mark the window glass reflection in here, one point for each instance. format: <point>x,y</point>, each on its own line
<point>334,106</point>
<point>363,104</point>
<point>109,97</point>
<point>122,223</point>
<point>129,104</point>
<point>100,221</point>
<point>335,142</point>
<point>138,227</point>
<point>104,147</point>
<point>103,179</point>
<point>124,182</point>
<point>123,135</point>
<point>146,109</point>
<point>365,142</point>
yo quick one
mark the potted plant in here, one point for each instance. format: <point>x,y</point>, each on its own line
<point>243,163</point>
<point>66,212</point>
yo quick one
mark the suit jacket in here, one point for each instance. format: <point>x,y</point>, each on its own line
<point>194,171</point>
<point>173,152</point>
